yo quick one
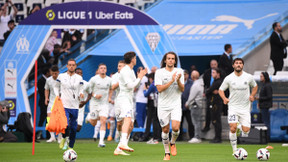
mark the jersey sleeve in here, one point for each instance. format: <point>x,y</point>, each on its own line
<point>158,80</point>
<point>114,80</point>
<point>182,77</point>
<point>46,87</point>
<point>224,85</point>
<point>127,78</point>
<point>252,82</point>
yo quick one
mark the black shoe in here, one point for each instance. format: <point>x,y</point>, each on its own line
<point>95,139</point>
<point>206,129</point>
<point>216,141</point>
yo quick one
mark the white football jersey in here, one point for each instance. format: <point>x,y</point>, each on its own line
<point>171,97</point>
<point>115,80</point>
<point>70,88</point>
<point>100,86</point>
<point>239,89</point>
<point>127,75</point>
<point>49,85</point>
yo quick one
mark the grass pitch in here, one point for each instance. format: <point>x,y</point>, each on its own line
<point>88,150</point>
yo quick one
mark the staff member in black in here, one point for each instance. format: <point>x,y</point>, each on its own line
<point>265,99</point>
<point>278,47</point>
<point>216,103</point>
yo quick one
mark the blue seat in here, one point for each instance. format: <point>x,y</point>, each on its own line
<point>278,118</point>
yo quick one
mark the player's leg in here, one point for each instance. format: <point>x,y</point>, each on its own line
<point>80,118</point>
<point>52,134</point>
<point>112,122</point>
<point>118,151</point>
<point>245,121</point>
<point>124,135</point>
<point>102,131</point>
<point>164,120</point>
<point>176,115</point>
<point>73,127</point>
<point>66,134</point>
<point>233,120</point>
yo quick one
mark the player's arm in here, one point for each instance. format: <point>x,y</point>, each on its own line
<point>57,86</point>
<point>136,82</point>
<point>110,96</point>
<point>179,82</point>
<point>163,87</point>
<point>222,88</point>
<point>115,86</point>
<point>46,96</point>
<point>253,93</point>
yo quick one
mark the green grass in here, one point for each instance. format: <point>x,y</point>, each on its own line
<point>87,150</point>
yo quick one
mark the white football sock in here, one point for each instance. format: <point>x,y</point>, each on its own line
<point>233,140</point>
<point>96,129</point>
<point>245,134</point>
<point>165,140</point>
<point>52,135</point>
<point>174,136</point>
<point>102,136</point>
<point>124,139</point>
<point>112,127</point>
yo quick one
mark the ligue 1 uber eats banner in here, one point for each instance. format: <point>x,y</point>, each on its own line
<point>27,40</point>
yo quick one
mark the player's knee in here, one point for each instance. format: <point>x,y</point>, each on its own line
<point>246,129</point>
<point>233,129</point>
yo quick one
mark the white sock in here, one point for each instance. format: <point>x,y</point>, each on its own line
<point>233,140</point>
<point>123,139</point>
<point>165,140</point>
<point>112,127</point>
<point>96,129</point>
<point>102,136</point>
<point>52,135</point>
<point>174,136</point>
<point>245,134</point>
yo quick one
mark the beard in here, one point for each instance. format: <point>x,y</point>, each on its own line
<point>238,70</point>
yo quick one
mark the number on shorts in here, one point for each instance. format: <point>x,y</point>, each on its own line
<point>232,118</point>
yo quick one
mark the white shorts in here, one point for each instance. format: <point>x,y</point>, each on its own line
<point>165,116</point>
<point>49,107</point>
<point>97,111</point>
<point>124,109</point>
<point>81,115</point>
<point>243,117</point>
<point>111,110</point>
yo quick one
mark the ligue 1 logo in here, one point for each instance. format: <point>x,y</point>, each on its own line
<point>50,15</point>
<point>22,45</point>
<point>153,40</point>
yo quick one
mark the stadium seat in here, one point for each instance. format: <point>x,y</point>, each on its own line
<point>22,10</point>
<point>112,1</point>
<point>52,2</point>
<point>125,2</point>
<point>278,118</point>
<point>141,3</point>
<point>66,1</point>
<point>32,3</point>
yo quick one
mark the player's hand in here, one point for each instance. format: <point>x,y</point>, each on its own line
<point>174,76</point>
<point>98,96</point>
<point>82,103</point>
<point>178,76</point>
<point>215,91</point>
<point>81,95</point>
<point>186,106</point>
<point>46,101</point>
<point>111,101</point>
<point>226,101</point>
<point>142,73</point>
<point>251,98</point>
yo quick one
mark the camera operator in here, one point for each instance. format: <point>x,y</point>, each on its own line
<point>4,118</point>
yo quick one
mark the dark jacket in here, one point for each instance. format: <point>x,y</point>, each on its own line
<point>4,117</point>
<point>225,64</point>
<point>41,91</point>
<point>265,96</point>
<point>277,47</point>
<point>185,94</point>
<point>215,98</point>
